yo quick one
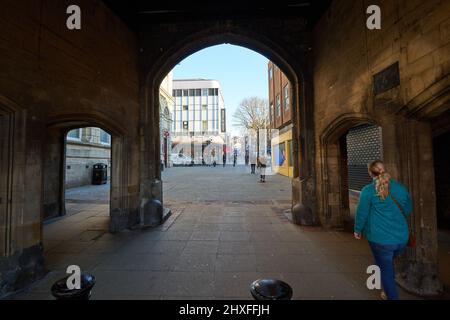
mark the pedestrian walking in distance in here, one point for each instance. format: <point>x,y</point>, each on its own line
<point>381,217</point>
<point>263,165</point>
<point>224,159</point>
<point>253,162</point>
<point>213,158</point>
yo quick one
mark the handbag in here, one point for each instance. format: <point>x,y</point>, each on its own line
<point>412,238</point>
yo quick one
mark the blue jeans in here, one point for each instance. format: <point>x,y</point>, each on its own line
<point>384,255</point>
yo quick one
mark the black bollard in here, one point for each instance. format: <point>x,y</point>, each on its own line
<point>153,213</point>
<point>270,289</point>
<point>61,292</point>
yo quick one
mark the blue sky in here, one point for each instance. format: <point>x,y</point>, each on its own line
<point>242,73</point>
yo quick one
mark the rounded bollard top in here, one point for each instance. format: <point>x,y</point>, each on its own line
<point>61,291</point>
<point>270,289</point>
<point>156,203</point>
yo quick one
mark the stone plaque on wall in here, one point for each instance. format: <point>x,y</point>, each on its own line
<point>386,79</point>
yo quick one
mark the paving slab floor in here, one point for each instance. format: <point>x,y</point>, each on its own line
<point>226,231</point>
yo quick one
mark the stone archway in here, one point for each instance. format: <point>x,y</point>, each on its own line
<point>159,58</point>
<point>333,187</point>
<point>121,214</point>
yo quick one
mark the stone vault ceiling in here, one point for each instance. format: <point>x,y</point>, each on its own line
<point>134,13</point>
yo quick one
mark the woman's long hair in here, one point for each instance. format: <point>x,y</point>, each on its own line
<point>381,178</point>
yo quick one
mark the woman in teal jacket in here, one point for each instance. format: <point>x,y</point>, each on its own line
<point>381,221</point>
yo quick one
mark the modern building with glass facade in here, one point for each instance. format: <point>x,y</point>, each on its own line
<point>199,115</point>
<point>199,107</point>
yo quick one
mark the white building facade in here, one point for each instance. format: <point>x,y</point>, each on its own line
<point>199,107</point>
<point>199,116</point>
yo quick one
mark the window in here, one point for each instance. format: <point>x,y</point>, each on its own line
<point>216,92</point>
<point>185,125</point>
<point>191,92</point>
<point>205,107</point>
<point>204,92</point>
<point>185,93</point>
<point>286,97</point>
<point>105,138</point>
<point>270,73</point>
<point>204,125</point>
<point>198,92</point>
<point>278,105</point>
<point>74,135</point>
<point>185,107</point>
<point>211,92</point>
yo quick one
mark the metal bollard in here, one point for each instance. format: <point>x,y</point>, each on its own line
<point>61,292</point>
<point>270,289</point>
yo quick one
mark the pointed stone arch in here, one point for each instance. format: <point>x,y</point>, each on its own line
<point>159,57</point>
<point>330,190</point>
<point>122,212</point>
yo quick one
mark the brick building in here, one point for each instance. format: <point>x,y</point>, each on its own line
<point>280,108</point>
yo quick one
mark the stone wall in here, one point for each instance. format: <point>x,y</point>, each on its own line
<point>52,80</point>
<point>347,56</point>
<point>82,155</point>
<point>80,160</point>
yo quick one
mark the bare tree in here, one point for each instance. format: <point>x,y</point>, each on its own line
<point>252,115</point>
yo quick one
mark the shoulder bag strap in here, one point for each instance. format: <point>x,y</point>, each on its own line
<point>401,210</point>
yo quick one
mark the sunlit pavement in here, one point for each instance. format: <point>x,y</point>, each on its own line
<point>226,231</point>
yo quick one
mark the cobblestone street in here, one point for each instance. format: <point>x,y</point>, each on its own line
<point>226,231</point>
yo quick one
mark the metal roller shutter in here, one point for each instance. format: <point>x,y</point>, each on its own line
<point>364,144</point>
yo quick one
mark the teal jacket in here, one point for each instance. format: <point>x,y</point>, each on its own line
<point>382,221</point>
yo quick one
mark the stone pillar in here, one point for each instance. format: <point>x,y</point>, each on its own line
<point>418,270</point>
<point>151,184</point>
<point>303,185</point>
<point>54,174</point>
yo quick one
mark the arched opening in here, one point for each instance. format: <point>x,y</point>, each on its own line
<point>81,198</point>
<point>292,68</point>
<point>349,144</point>
<point>208,38</point>
<point>88,175</point>
<point>202,134</point>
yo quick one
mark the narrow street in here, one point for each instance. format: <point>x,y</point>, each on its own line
<point>226,231</point>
